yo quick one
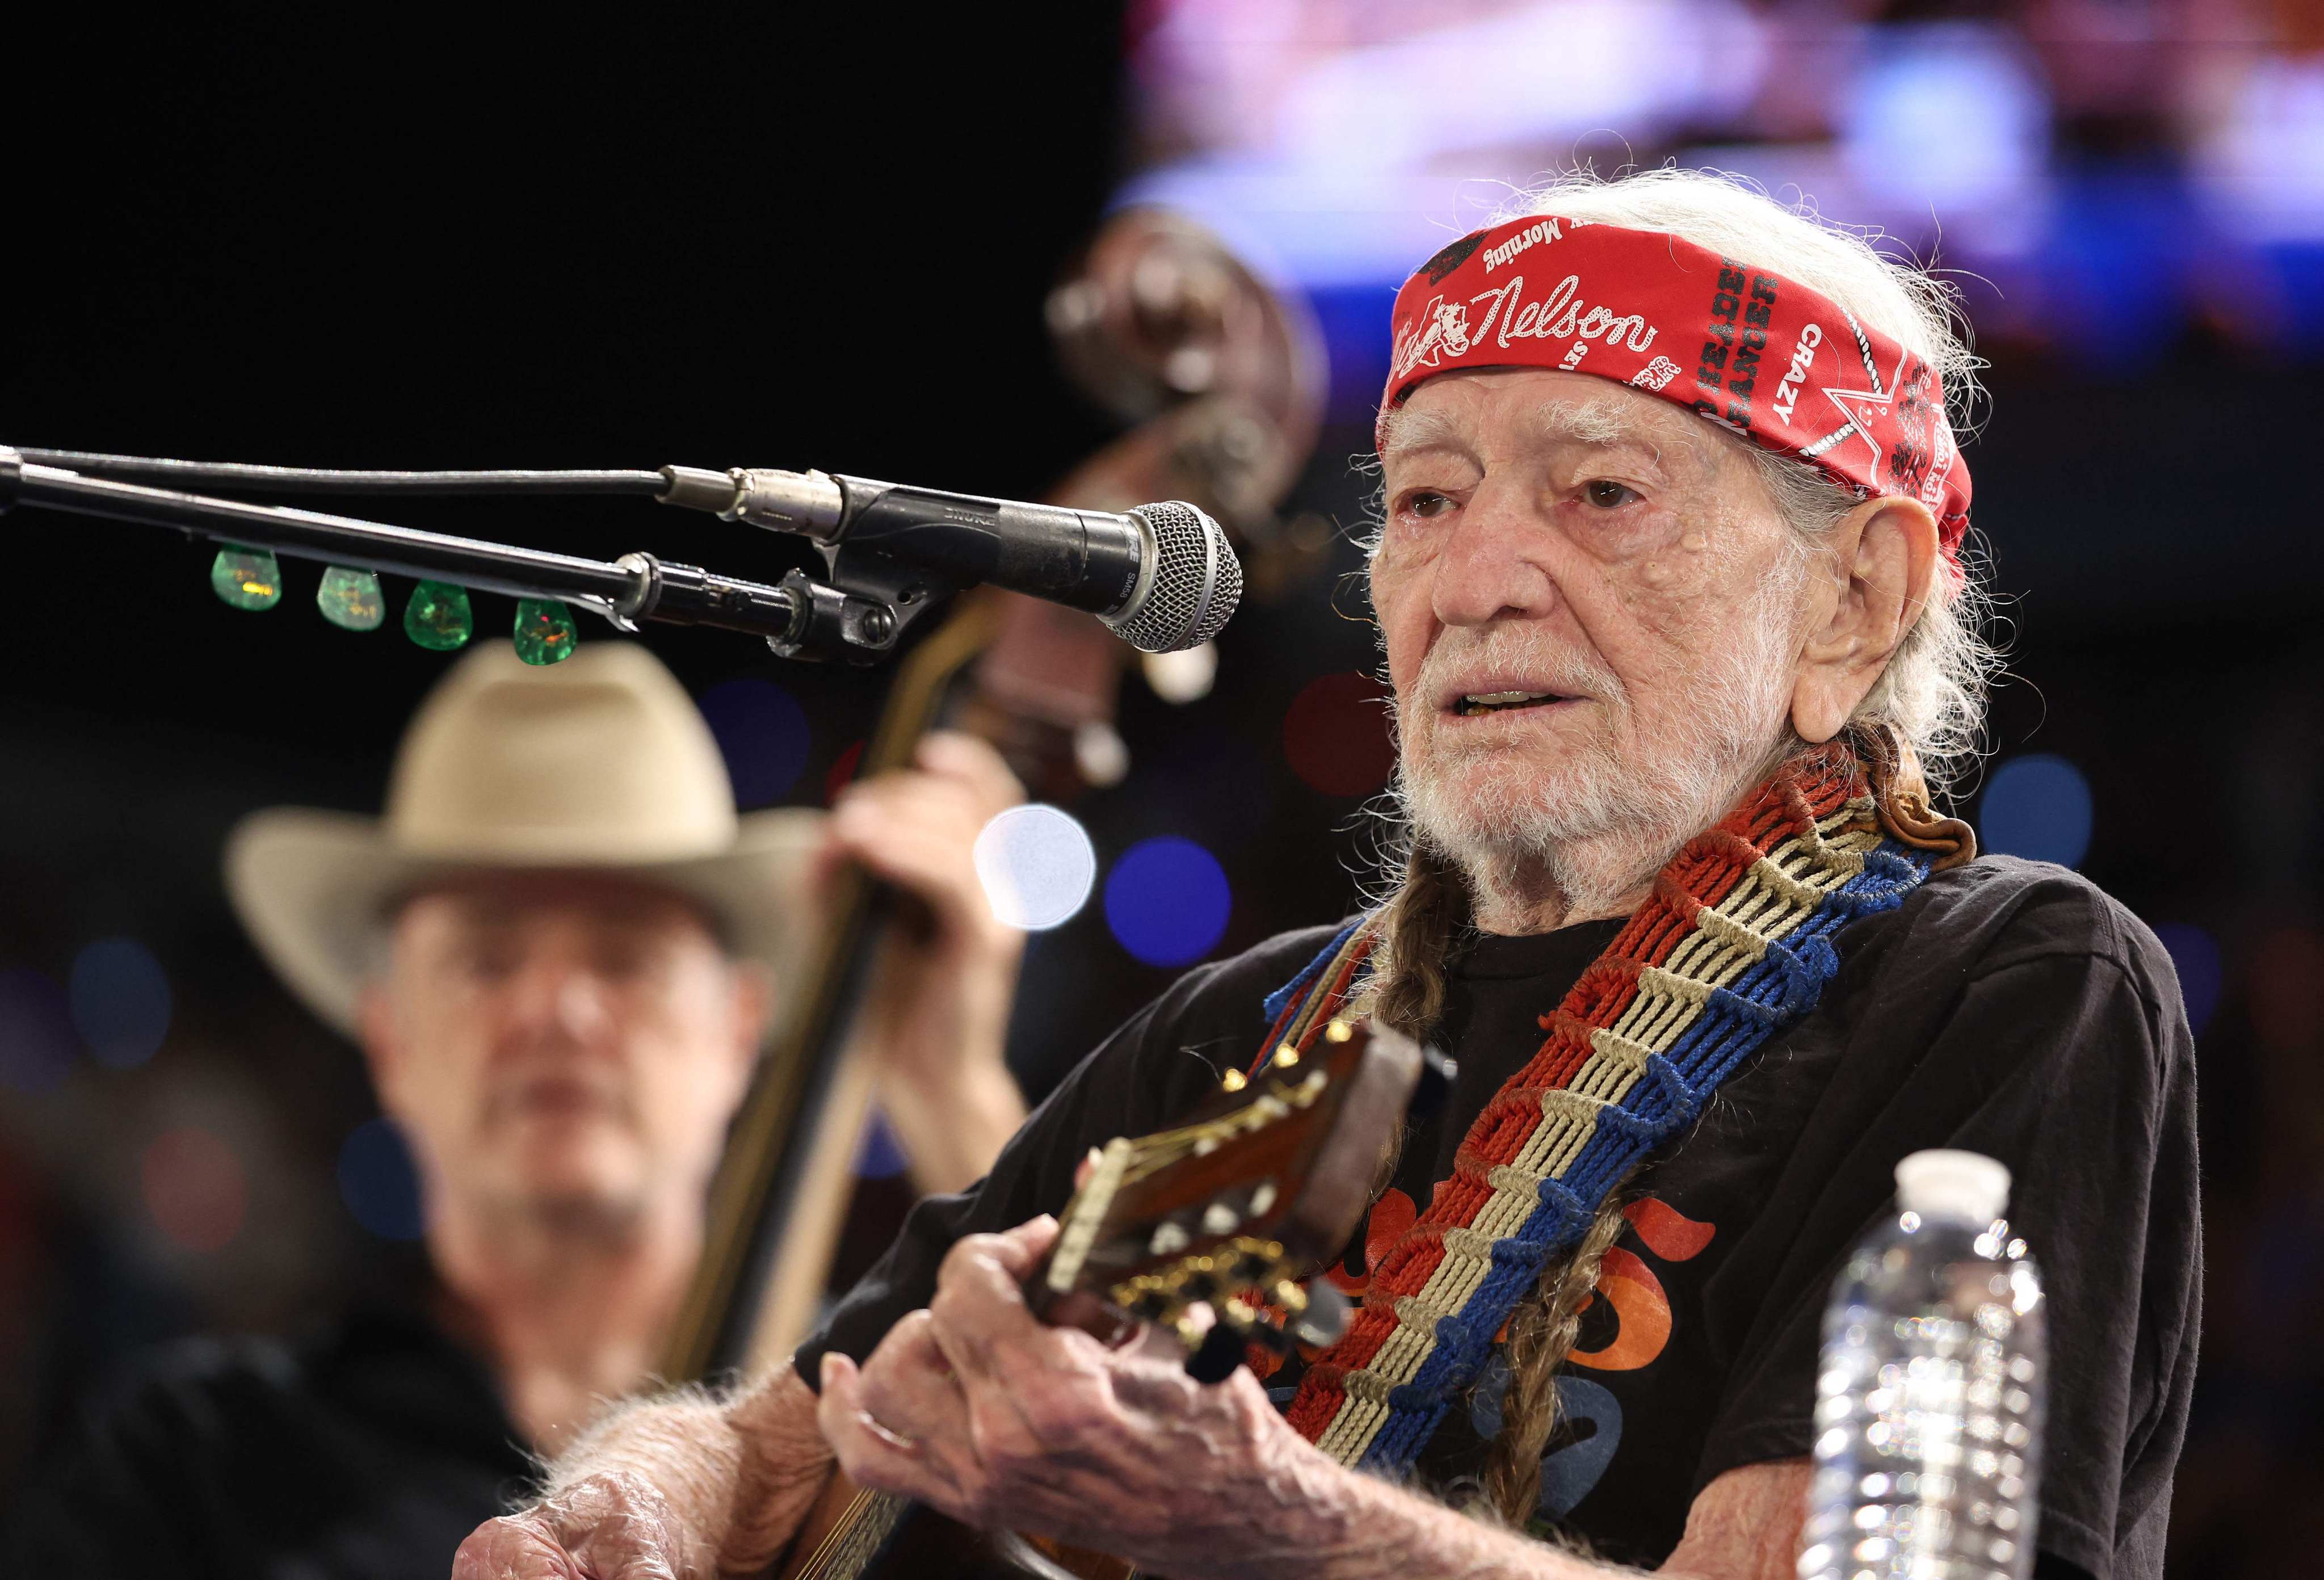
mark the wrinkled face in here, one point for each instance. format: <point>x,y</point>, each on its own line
<point>1589,604</point>
<point>560,1044</point>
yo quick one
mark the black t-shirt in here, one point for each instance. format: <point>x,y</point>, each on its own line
<point>367,1456</point>
<point>2007,1007</point>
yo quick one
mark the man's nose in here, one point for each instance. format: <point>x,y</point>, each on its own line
<point>554,996</point>
<point>1492,565</point>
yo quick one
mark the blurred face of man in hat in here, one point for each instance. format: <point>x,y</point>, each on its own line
<point>564,1048</point>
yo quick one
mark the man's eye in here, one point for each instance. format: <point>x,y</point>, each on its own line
<point>625,960</point>
<point>1426,503</point>
<point>486,963</point>
<point>1606,495</point>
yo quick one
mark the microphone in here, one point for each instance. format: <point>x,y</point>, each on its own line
<point>1161,577</point>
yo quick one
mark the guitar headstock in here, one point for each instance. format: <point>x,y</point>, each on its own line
<point>1237,1204</point>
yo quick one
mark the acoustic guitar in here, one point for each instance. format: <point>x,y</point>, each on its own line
<point>1230,1210</point>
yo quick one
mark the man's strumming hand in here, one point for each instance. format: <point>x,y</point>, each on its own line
<point>679,1487</point>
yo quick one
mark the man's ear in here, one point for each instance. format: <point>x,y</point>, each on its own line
<point>1879,560</point>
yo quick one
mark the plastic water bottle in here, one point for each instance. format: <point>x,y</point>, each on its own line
<point>1929,1403</point>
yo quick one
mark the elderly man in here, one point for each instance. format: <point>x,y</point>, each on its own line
<point>1670,587</point>
<point>560,951</point>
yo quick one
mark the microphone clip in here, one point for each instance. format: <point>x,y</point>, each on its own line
<point>859,608</point>
<point>854,617</point>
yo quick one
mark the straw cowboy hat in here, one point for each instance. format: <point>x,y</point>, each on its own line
<point>599,763</point>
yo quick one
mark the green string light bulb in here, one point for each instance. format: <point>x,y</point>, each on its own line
<point>437,617</point>
<point>351,599</point>
<point>246,578</point>
<point>544,630</point>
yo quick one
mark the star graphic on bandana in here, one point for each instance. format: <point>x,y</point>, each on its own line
<point>1922,450</point>
<point>1860,409</point>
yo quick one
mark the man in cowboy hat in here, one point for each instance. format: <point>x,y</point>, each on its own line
<point>560,951</point>
<point>1670,585</point>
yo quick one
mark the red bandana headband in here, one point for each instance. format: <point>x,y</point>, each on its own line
<point>1787,368</point>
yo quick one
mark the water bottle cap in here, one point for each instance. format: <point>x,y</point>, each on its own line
<point>1948,1184</point>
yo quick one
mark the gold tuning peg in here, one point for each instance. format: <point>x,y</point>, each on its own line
<point>1237,1312</point>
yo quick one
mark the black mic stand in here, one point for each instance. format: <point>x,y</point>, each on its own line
<point>855,617</point>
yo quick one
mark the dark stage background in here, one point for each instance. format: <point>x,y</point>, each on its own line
<point>824,239</point>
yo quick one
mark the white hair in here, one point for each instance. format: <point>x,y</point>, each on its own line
<point>1932,693</point>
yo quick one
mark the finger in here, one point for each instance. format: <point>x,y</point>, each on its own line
<point>969,801</point>
<point>909,1388</point>
<point>974,763</point>
<point>938,859</point>
<point>927,832</point>
<point>980,1317</point>
<point>870,1455</point>
<point>1020,1248</point>
<point>957,921</point>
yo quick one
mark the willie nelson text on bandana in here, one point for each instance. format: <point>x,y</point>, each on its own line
<point>1784,365</point>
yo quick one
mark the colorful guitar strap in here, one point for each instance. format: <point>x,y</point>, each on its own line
<point>1734,944</point>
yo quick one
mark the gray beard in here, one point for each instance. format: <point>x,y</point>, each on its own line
<point>1540,856</point>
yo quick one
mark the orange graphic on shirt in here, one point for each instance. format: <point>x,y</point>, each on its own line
<point>1626,1282</point>
<point>1640,1306</point>
<point>1392,1214</point>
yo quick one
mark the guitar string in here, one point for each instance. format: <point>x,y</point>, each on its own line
<point>817,1566</point>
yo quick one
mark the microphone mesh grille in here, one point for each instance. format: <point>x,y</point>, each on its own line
<point>1197,582</point>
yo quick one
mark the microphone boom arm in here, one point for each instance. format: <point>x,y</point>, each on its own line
<point>856,617</point>
<point>1161,577</point>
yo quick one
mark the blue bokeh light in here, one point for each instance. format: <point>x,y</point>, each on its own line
<point>36,1035</point>
<point>378,1182</point>
<point>763,732</point>
<point>120,1001</point>
<point>2195,956</point>
<point>1166,901</point>
<point>2038,807</point>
